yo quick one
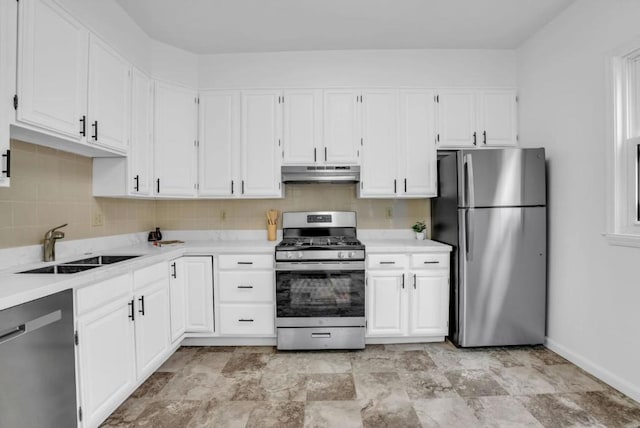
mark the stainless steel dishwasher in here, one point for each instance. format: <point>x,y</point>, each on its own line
<point>37,364</point>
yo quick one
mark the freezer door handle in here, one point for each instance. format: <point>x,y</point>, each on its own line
<point>468,234</point>
<point>468,175</point>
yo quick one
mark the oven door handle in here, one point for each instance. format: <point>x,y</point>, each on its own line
<point>319,266</point>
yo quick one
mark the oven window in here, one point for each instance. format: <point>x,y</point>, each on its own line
<point>320,294</point>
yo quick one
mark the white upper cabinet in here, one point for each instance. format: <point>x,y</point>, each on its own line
<point>261,144</point>
<point>378,174</point>
<point>477,118</point>
<point>141,150</point>
<point>302,127</point>
<point>497,118</point>
<point>8,13</point>
<point>52,70</point>
<point>457,118</point>
<point>341,130</point>
<point>175,132</point>
<point>219,143</point>
<point>109,109</point>
<point>418,160</point>
<point>398,146</point>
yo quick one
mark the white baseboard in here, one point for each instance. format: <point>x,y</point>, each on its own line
<point>400,340</point>
<point>589,366</point>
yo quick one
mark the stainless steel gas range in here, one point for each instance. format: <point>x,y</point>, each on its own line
<point>320,289</point>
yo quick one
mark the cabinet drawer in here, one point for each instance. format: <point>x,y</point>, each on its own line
<point>246,261</point>
<point>100,294</point>
<point>247,320</point>
<point>430,260</point>
<point>386,261</point>
<point>246,286</point>
<point>155,273</point>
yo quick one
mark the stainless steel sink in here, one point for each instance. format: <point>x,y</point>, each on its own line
<point>80,265</point>
<point>101,260</point>
<point>61,269</point>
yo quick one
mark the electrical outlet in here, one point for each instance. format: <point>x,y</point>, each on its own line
<point>223,214</point>
<point>388,213</point>
<point>97,219</point>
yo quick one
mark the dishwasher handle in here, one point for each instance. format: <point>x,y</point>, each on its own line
<point>29,326</point>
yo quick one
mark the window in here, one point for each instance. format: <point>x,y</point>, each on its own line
<point>623,226</point>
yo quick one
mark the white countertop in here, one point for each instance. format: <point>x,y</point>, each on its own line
<point>16,289</point>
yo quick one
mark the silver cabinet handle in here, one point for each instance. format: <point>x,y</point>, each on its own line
<point>34,324</point>
<point>321,335</point>
<point>13,333</point>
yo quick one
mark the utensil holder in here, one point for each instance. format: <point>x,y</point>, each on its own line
<point>272,232</point>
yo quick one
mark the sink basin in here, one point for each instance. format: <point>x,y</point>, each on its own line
<point>101,260</point>
<point>61,269</point>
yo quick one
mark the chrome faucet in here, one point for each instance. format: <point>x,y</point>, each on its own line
<point>50,239</point>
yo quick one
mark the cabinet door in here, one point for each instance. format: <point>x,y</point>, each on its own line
<point>302,126</point>
<point>198,277</point>
<point>177,299</point>
<point>141,150</point>
<point>429,307</point>
<point>380,145</point>
<point>498,117</point>
<point>152,325</point>
<point>457,118</point>
<point>261,143</point>
<point>109,97</point>
<point>219,142</point>
<point>341,131</point>
<point>8,26</point>
<point>52,69</point>
<point>417,175</point>
<point>106,359</point>
<point>386,312</point>
<point>175,130</point>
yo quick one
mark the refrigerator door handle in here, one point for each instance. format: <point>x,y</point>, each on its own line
<point>468,167</point>
<point>468,234</point>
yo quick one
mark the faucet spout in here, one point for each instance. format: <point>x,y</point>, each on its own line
<point>50,238</point>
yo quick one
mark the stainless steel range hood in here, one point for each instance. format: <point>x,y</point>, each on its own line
<point>320,174</point>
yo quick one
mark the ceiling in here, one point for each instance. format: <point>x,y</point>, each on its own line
<point>224,26</point>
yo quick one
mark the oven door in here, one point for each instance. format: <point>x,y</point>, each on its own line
<point>327,294</point>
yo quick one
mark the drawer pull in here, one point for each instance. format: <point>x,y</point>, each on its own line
<point>428,262</point>
<point>387,263</point>
<point>245,320</point>
<point>245,263</point>
<point>245,286</point>
<point>321,335</point>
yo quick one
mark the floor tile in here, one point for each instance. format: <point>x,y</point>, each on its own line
<point>569,378</point>
<point>214,414</point>
<point>287,414</point>
<point>284,386</point>
<point>179,359</point>
<point>255,350</point>
<point>167,414</point>
<point>474,383</point>
<point>331,414</point>
<point>127,413</point>
<point>380,386</point>
<point>334,386</point>
<point>609,407</point>
<point>240,362</point>
<point>399,347</point>
<point>522,381</point>
<point>557,410</point>
<point>209,362</point>
<point>374,362</point>
<point>190,386</point>
<point>413,361</point>
<point>248,388</point>
<point>502,412</point>
<point>428,384</point>
<point>152,386</point>
<point>389,413</point>
<point>451,358</point>
<point>445,413</point>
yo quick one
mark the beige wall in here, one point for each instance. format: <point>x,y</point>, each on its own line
<point>50,187</point>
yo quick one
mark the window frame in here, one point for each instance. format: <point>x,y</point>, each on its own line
<point>623,154</point>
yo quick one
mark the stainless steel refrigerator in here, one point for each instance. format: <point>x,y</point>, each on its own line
<point>491,208</point>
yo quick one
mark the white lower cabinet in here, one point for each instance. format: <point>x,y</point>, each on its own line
<point>246,292</point>
<point>123,336</point>
<point>408,295</point>
<point>192,284</point>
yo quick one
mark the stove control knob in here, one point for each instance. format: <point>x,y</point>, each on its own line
<point>352,254</point>
<point>299,254</point>
<point>341,255</point>
<point>289,255</point>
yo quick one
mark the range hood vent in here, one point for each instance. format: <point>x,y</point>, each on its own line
<point>320,174</point>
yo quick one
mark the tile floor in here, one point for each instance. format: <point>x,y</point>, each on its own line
<point>428,385</point>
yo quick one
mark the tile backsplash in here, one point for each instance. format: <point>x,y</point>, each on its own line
<point>50,187</point>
